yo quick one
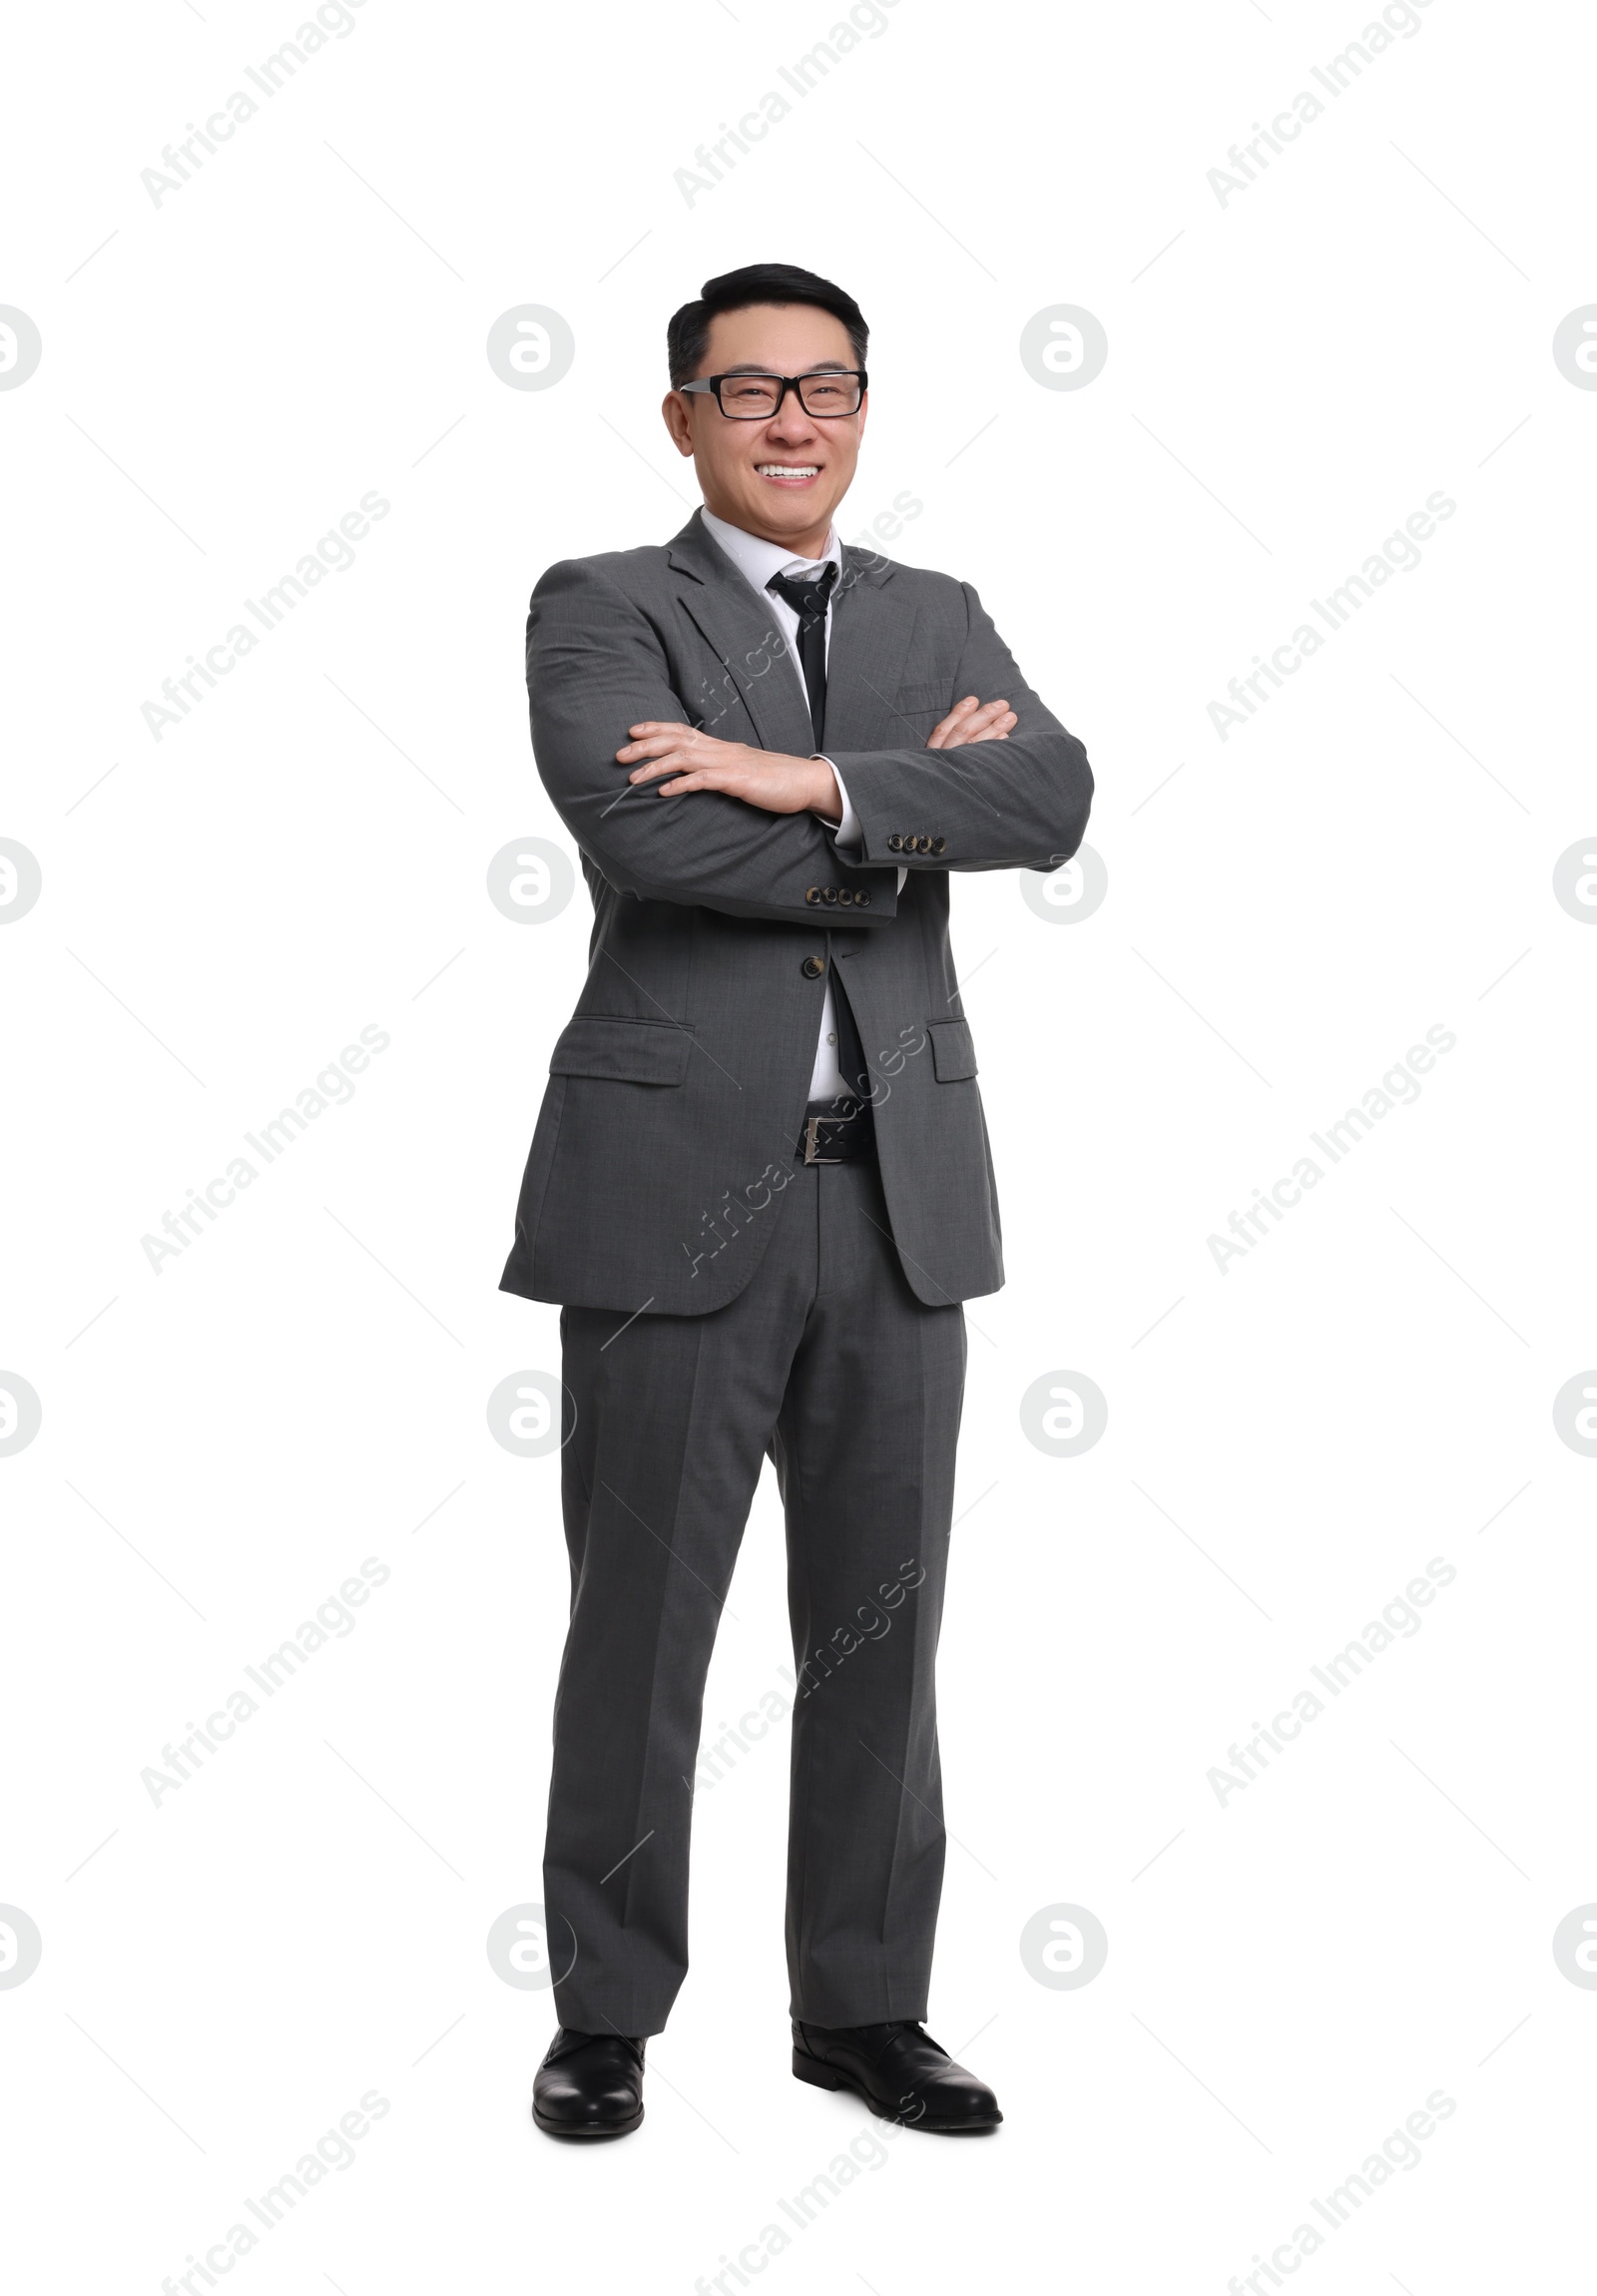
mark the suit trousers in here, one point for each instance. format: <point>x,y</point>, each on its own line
<point>828,1362</point>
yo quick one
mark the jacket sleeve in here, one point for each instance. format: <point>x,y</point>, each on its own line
<point>595,667</point>
<point>1020,803</point>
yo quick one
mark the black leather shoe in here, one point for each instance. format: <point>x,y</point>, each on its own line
<point>901,2073</point>
<point>589,2085</point>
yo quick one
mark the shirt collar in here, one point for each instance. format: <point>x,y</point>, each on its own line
<point>757,559</point>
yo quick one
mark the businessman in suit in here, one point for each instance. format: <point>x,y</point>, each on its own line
<point>759,1186</point>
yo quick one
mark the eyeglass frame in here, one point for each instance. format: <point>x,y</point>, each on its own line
<point>713,383</point>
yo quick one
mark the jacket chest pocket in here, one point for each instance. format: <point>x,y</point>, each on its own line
<point>922,705</point>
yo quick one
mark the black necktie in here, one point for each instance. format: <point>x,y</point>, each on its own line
<point>808,601</point>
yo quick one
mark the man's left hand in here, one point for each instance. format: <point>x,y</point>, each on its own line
<point>777,784</point>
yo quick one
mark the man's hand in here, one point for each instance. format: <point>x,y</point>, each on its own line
<point>777,784</point>
<point>972,721</point>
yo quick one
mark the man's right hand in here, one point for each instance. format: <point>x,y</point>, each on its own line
<point>972,721</point>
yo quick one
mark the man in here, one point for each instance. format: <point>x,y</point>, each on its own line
<point>760,1185</point>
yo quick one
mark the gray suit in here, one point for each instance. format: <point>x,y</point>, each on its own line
<point>682,1077</point>
<point>723,1300</point>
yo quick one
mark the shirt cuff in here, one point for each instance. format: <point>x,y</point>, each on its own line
<point>845,832</point>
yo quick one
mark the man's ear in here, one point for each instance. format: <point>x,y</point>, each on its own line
<point>674,413</point>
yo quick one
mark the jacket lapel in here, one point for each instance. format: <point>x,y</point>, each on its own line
<point>870,635</point>
<point>755,662</point>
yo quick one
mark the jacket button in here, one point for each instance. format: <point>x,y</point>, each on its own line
<point>895,844</point>
<point>812,893</point>
<point>861,900</point>
<point>830,894</point>
<point>813,968</point>
<point>939,844</point>
<point>844,896</point>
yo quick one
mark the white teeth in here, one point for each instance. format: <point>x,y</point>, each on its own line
<point>788,469</point>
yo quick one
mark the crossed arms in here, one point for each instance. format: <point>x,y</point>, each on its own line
<point>753,837</point>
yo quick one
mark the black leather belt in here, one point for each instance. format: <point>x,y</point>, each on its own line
<point>837,1131</point>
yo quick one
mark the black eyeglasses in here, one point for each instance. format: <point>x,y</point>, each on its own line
<point>757,397</point>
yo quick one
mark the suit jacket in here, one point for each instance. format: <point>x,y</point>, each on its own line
<point>676,1092</point>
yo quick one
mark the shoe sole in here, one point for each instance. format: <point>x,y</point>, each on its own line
<point>563,2128</point>
<point>827,2076</point>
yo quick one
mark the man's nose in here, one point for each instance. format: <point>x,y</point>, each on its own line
<point>791,420</point>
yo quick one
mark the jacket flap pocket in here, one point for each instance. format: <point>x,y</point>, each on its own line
<point>953,1055</point>
<point>624,1051</point>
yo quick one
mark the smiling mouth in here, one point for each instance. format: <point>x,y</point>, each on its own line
<point>788,473</point>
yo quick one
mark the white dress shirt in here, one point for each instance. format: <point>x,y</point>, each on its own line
<point>756,560</point>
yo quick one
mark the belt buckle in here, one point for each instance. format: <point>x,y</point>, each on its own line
<point>812,1125</point>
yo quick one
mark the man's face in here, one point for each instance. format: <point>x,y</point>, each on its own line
<point>781,477</point>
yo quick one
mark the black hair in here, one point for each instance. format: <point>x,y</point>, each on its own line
<point>688,334</point>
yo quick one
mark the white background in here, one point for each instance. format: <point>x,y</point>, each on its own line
<point>1288,1441</point>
